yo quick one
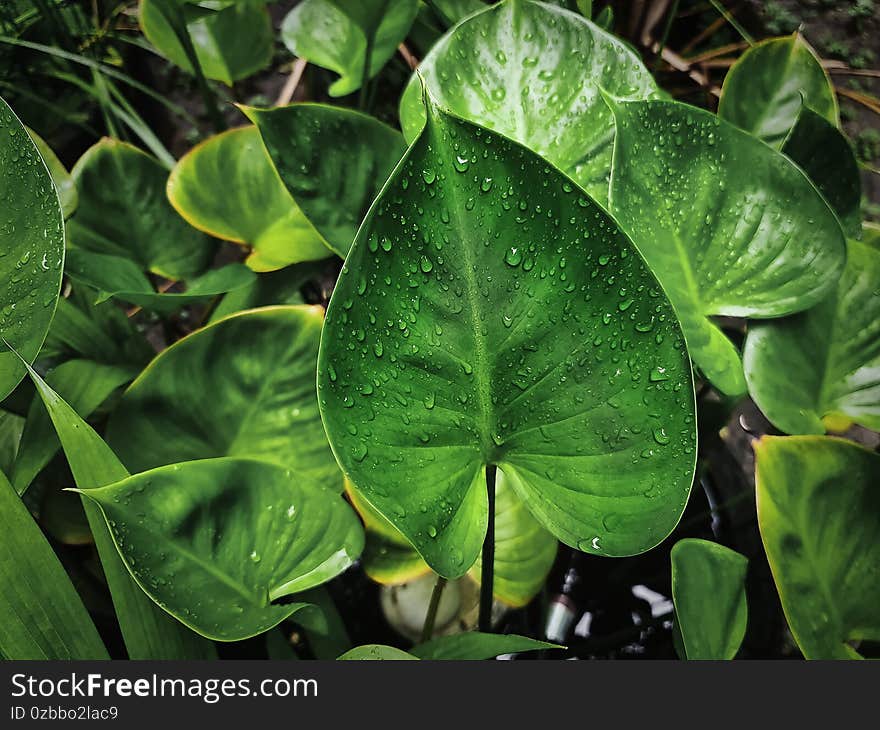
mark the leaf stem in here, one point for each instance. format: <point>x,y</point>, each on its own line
<point>431,616</point>
<point>487,566</point>
<point>365,78</point>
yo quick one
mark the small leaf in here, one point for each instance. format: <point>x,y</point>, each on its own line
<point>117,277</point>
<point>231,42</point>
<point>708,590</point>
<point>32,248</point>
<point>764,90</point>
<point>819,514</point>
<point>41,615</point>
<point>334,35</point>
<point>243,386</point>
<point>823,363</point>
<point>474,645</point>
<point>729,226</point>
<point>375,652</point>
<point>217,543</point>
<point>61,178</point>
<point>123,211</point>
<point>333,161</point>
<point>227,187</point>
<point>533,72</point>
<point>498,316</point>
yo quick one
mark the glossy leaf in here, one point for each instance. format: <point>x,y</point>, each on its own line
<point>491,313</point>
<point>11,427</point>
<point>31,249</point>
<point>227,187</point>
<point>729,226</point>
<point>148,631</point>
<point>334,35</point>
<point>533,72</point>
<point>117,277</point>
<point>84,385</point>
<point>764,90</point>
<point>61,178</point>
<point>376,652</point>
<point>123,211</point>
<point>219,543</point>
<point>333,161</point>
<point>819,514</point>
<point>243,386</point>
<point>822,367</point>
<point>41,615</point>
<point>475,645</point>
<point>708,590</point>
<point>231,42</point>
<point>821,151</point>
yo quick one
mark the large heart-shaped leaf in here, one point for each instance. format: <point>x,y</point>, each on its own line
<point>708,590</point>
<point>228,188</point>
<point>729,226</point>
<point>819,514</point>
<point>231,42</point>
<point>822,367</point>
<point>490,313</point>
<point>41,615</point>
<point>339,35</point>
<point>243,386</point>
<point>333,161</point>
<point>117,277</point>
<point>123,211</point>
<point>764,90</point>
<point>31,249</point>
<point>821,151</point>
<point>219,543</point>
<point>533,72</point>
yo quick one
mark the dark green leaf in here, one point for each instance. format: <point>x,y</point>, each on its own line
<point>32,248</point>
<point>333,161</point>
<point>243,386</point>
<point>729,226</point>
<point>228,188</point>
<point>708,590</point>
<point>474,645</point>
<point>41,615</point>
<point>283,286</point>
<point>819,514</point>
<point>123,211</point>
<point>821,368</point>
<point>491,313</point>
<point>219,543</point>
<point>533,72</point>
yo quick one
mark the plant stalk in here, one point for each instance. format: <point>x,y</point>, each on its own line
<point>487,566</point>
<point>431,616</point>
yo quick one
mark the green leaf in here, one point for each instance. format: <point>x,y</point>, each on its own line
<point>148,631</point>
<point>333,161</point>
<point>243,386</point>
<point>231,42</point>
<point>11,428</point>
<point>821,151</point>
<point>117,277</point>
<point>819,514</point>
<point>375,652</point>
<point>823,363</point>
<point>123,211</point>
<point>41,615</point>
<point>708,590</point>
<point>284,286</point>
<point>85,385</point>
<point>32,247</point>
<point>61,178</point>
<point>533,72</point>
<point>335,36</point>
<point>475,645</point>
<point>220,543</point>
<point>764,90</point>
<point>452,11</point>
<point>491,313</point>
<point>227,187</point>
<point>729,226</point>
